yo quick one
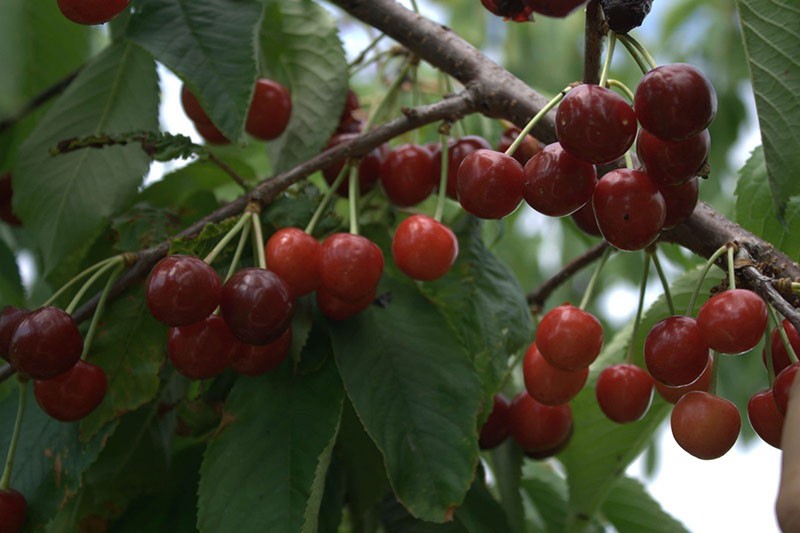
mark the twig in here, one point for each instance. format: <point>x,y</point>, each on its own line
<point>39,100</point>
<point>228,170</point>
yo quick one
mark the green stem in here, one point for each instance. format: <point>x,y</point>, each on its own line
<point>98,312</point>
<point>312,224</point>
<point>639,308</point>
<point>416,98</point>
<point>612,41</point>
<point>529,126</point>
<point>76,279</point>
<point>715,362</point>
<point>353,198</point>
<point>258,240</point>
<point>5,481</point>
<point>459,123</point>
<point>731,270</point>
<point>711,260</point>
<point>784,337</point>
<point>768,347</point>
<point>622,87</point>
<point>398,81</point>
<point>634,53</point>
<point>415,6</point>
<point>587,295</point>
<point>227,238</point>
<point>116,260</point>
<point>664,283</point>
<point>237,255</point>
<point>641,49</point>
<point>628,159</point>
<point>443,139</point>
<point>366,50</point>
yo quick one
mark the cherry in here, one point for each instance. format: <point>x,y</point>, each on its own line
<point>294,255</point>
<point>510,9</point>
<point>629,208</point>
<point>780,357</point>
<point>765,418</point>
<point>489,184</point>
<point>10,317</point>
<point>191,106</point>
<point>350,267</point>
<point>733,321</point>
<point>530,145</point>
<point>74,394</point>
<point>270,110</point>
<point>671,163</point>
<point>673,394</point>
<point>496,429</point>
<point>548,384</point>
<point>705,425</point>
<point>348,122</point>
<point>456,152</point>
<point>202,350</point>
<point>569,338</point>
<point>408,175</point>
<point>45,344</point>
<point>675,352</point>
<point>595,124</point>
<point>182,290</point>
<point>210,133</point>
<point>253,360</point>
<point>90,12</point>
<point>553,8</point>
<point>369,169</point>
<point>782,386</point>
<point>679,202</point>
<point>675,101</point>
<point>336,308</point>
<point>257,305</point>
<point>6,194</point>
<point>557,183</point>
<point>423,248</point>
<point>539,428</point>
<point>624,392</point>
<point>585,220</point>
<point>13,511</point>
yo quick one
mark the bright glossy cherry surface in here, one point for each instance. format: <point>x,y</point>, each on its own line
<point>423,248</point>
<point>270,110</point>
<point>202,350</point>
<point>569,338</point>
<point>6,195</point>
<point>537,427</point>
<point>782,386</point>
<point>510,9</point>
<point>765,418</point>
<point>257,305</point>
<point>369,169</point>
<point>675,101</point>
<point>675,351</point>
<point>733,321</point>
<point>557,183</point>
<point>629,209</point>
<point>408,175</point>
<point>456,152</point>
<point>595,124</point>
<point>585,220</point>
<point>780,357</point>
<point>350,266</point>
<point>705,425</point>
<point>182,289</point>
<point>554,8</point>
<point>92,12</point>
<point>252,360</point>
<point>336,308</point>
<point>74,394</point>
<point>191,106</point>
<point>673,394</point>
<point>489,184</point>
<point>10,317</point>
<point>548,384</point>
<point>45,344</point>
<point>529,147</point>
<point>679,202</point>
<point>13,511</point>
<point>624,392</point>
<point>496,429</point>
<point>294,255</point>
<point>670,163</point>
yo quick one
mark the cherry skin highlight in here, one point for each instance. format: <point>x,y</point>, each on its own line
<point>733,321</point>
<point>548,384</point>
<point>675,352</point>
<point>182,290</point>
<point>624,392</point>
<point>423,248</point>
<point>569,338</point>
<point>489,184</point>
<point>45,344</point>
<point>257,305</point>
<point>705,425</point>
<point>91,12</point>
<point>557,183</point>
<point>74,394</point>
<point>765,418</point>
<point>496,429</point>
<point>270,110</point>
<point>536,427</point>
<point>13,511</point>
<point>294,255</point>
<point>350,266</point>
<point>201,350</point>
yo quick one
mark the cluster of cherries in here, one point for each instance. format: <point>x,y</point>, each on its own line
<point>91,12</point>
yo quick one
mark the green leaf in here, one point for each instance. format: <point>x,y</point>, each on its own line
<point>630,508</point>
<point>506,466</point>
<point>300,48</point>
<point>272,453</point>
<point>547,491</point>
<point>772,46</point>
<point>210,44</point>
<point>415,390</point>
<point>64,199</point>
<point>11,290</point>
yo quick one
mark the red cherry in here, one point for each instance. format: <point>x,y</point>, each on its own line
<point>13,511</point>
<point>569,338</point>
<point>536,427</point>
<point>489,184</point>
<point>201,350</point>
<point>408,175</point>
<point>210,133</point>
<point>348,122</point>
<point>705,425</point>
<point>336,308</point>
<point>679,202</point>
<point>423,248</point>
<point>675,351</point>
<point>45,344</point>
<point>182,290</point>
<point>10,317</point>
<point>782,386</point>
<point>554,8</point>
<point>90,12</point>
<point>733,321</point>
<point>675,102</point>
<point>496,428</point>
<point>6,195</point>
<point>369,169</point>
<point>548,384</point>
<point>252,360</point>
<point>673,394</point>
<point>74,394</point>
<point>350,266</point>
<point>585,220</point>
<point>595,124</point>
<point>670,163</point>
<point>456,152</point>
<point>557,183</point>
<point>294,255</point>
<point>629,208</point>
<point>624,392</point>
<point>191,106</point>
<point>780,357</point>
<point>765,418</point>
<point>257,305</point>
<point>270,110</point>
<point>510,9</point>
<point>530,145</point>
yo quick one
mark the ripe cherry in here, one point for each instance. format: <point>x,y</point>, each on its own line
<point>585,220</point>
<point>252,360</point>
<point>257,305</point>
<point>182,290</point>
<point>539,428</point>
<point>211,133</point>
<point>679,202</point>
<point>6,195</point>
<point>456,152</point>
<point>201,350</point>
<point>294,255</point>
<point>629,208</point>
<point>553,8</point>
<point>74,394</point>
<point>624,392</point>
<point>191,106</point>
<point>548,384</point>
<point>350,266</point>
<point>510,9</point>
<point>557,183</point>
<point>90,12</point>
<point>675,101</point>
<point>270,110</point>
<point>733,321</point>
<point>569,338</point>
<point>530,145</point>
<point>369,169</point>
<point>671,163</point>
<point>336,308</point>
<point>496,429</point>
<point>782,386</point>
<point>675,351</point>
<point>45,344</point>
<point>780,357</point>
<point>348,121</point>
<point>408,175</point>
<point>595,124</point>
<point>489,184</point>
<point>13,511</point>
<point>705,425</point>
<point>423,248</point>
<point>673,394</point>
<point>765,418</point>
<point>10,317</point>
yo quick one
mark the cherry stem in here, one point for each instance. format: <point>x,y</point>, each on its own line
<point>711,260</point>
<point>444,137</point>
<point>612,41</point>
<point>76,279</point>
<point>228,237</point>
<point>639,48</point>
<point>622,87</point>
<point>715,362</point>
<point>361,56</point>
<point>768,347</point>
<point>5,481</point>
<point>111,263</point>
<point>635,54</point>
<point>448,83</point>
<point>784,337</point>
<point>587,294</point>
<point>664,282</point>
<point>628,159</point>
<point>414,6</point>
<point>258,240</point>
<point>731,269</point>
<point>398,81</point>
<point>237,255</point>
<point>312,224</point>
<point>98,311</point>
<point>416,97</point>
<point>639,308</point>
<point>353,198</point>
<point>536,118</point>
<point>227,169</point>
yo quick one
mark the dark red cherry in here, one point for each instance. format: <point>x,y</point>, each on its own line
<point>257,305</point>
<point>191,106</point>
<point>780,357</point>
<point>733,321</point>
<point>629,209</point>
<point>423,248</point>
<point>554,8</point>
<point>336,308</point>
<point>74,394</point>
<point>624,392</point>
<point>408,175</point>
<point>13,511</point>
<point>10,317</point>
<point>510,9</point>
<point>369,169</point>
<point>294,255</point>
<point>201,350</point>
<point>673,394</point>
<point>252,360</point>
<point>211,133</point>
<point>529,147</point>
<point>595,124</point>
<point>765,418</point>
<point>6,195</point>
<point>675,101</point>
<point>496,428</point>
<point>456,152</point>
<point>585,220</point>
<point>671,163</point>
<point>91,12</point>
<point>489,184</point>
<point>182,290</point>
<point>569,338</point>
<point>705,425</point>
<point>557,183</point>
<point>536,427</point>
<point>675,351</point>
<point>45,344</point>
<point>679,202</point>
<point>548,384</point>
<point>782,386</point>
<point>270,110</point>
<point>350,266</point>
<point>348,121</point>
